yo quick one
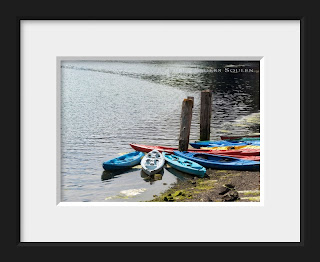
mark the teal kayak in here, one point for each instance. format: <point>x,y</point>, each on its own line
<point>123,162</point>
<point>184,165</point>
<point>219,162</point>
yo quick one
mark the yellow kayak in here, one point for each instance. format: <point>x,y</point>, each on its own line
<point>231,147</point>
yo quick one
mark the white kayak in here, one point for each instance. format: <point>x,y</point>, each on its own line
<point>152,162</point>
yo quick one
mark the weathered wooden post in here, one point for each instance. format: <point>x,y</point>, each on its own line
<point>185,124</point>
<point>192,98</point>
<point>205,114</point>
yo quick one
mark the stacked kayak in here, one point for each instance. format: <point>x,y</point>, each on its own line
<point>253,158</point>
<point>231,147</point>
<point>184,165</point>
<point>254,142</point>
<point>123,162</point>
<point>153,162</point>
<point>243,138</point>
<point>243,153</point>
<point>146,148</point>
<point>199,144</point>
<point>219,162</point>
<point>224,143</point>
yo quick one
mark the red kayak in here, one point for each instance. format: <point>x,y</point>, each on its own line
<point>250,154</point>
<point>236,137</point>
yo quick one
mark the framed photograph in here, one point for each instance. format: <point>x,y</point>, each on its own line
<point>126,122</point>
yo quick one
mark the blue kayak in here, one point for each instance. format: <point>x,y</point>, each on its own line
<point>219,162</point>
<point>125,161</point>
<point>254,142</point>
<point>199,144</point>
<point>184,165</point>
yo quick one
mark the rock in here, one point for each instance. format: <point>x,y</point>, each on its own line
<point>235,194</point>
<point>170,198</point>
<point>165,199</point>
<point>227,198</point>
<point>222,190</point>
<point>229,185</point>
<point>232,195</point>
<point>154,195</point>
<point>193,182</point>
<point>164,184</point>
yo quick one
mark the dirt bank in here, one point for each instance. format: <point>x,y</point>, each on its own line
<point>217,186</point>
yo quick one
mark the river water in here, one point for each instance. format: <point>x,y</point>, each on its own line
<point>106,105</point>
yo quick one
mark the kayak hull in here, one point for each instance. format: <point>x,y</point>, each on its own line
<point>243,153</point>
<point>152,162</point>
<point>230,147</point>
<point>238,137</point>
<point>124,161</point>
<point>220,162</point>
<point>224,143</point>
<point>184,165</point>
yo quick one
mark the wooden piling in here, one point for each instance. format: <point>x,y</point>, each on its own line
<point>205,114</point>
<point>185,124</point>
<point>192,98</point>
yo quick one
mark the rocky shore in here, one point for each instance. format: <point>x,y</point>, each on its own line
<point>216,186</point>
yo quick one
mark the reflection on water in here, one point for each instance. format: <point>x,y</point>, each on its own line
<point>152,178</point>
<point>180,175</point>
<point>108,174</point>
<point>106,105</point>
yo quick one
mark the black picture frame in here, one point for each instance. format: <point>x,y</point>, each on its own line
<point>305,41</point>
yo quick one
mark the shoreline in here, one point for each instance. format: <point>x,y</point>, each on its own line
<point>216,186</point>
